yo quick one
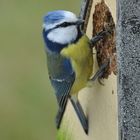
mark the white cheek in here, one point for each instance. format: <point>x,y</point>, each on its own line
<point>63,35</point>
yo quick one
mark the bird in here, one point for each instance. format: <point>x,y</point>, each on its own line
<point>69,60</point>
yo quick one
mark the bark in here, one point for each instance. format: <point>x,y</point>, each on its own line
<point>128,51</point>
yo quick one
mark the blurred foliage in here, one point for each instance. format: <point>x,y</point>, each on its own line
<point>64,133</point>
<point>27,102</point>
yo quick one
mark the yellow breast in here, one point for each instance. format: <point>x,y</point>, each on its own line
<point>81,58</point>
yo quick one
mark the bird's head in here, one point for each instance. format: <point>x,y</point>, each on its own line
<point>61,26</point>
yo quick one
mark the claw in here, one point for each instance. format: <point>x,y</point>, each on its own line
<point>100,36</point>
<point>100,72</point>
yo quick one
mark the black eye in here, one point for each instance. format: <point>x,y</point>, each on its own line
<point>65,24</point>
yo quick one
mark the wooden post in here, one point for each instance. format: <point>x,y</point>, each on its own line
<point>128,50</point>
<point>98,101</point>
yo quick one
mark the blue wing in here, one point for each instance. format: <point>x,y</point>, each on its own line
<point>61,75</point>
<point>62,89</point>
<point>62,78</point>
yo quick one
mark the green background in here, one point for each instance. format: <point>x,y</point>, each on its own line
<point>27,101</point>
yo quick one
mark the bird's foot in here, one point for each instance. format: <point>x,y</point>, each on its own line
<point>100,72</point>
<point>106,31</point>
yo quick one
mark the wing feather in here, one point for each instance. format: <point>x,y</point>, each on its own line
<point>62,89</point>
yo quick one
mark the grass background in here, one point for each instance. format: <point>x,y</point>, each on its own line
<point>27,102</point>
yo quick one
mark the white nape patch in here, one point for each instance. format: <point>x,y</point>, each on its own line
<point>63,35</point>
<point>70,17</point>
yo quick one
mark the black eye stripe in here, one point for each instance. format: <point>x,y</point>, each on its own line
<point>65,24</point>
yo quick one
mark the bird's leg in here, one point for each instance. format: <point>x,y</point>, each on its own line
<point>101,70</point>
<point>80,113</point>
<point>106,31</point>
<point>100,36</point>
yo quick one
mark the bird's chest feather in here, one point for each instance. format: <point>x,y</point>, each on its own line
<point>81,58</point>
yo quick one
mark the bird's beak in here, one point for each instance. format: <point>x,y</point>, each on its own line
<point>80,22</point>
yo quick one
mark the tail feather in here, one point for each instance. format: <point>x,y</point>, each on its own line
<point>61,112</point>
<point>80,113</point>
<point>59,117</point>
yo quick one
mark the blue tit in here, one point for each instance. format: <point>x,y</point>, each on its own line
<point>69,60</point>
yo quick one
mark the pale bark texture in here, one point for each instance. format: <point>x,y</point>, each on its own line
<point>128,50</point>
<point>98,101</point>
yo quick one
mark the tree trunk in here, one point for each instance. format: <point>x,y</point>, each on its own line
<point>128,50</point>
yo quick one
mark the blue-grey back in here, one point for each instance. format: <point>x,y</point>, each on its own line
<point>58,66</point>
